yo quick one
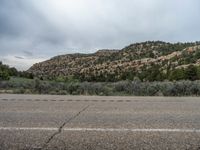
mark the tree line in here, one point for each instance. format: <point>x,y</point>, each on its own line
<point>6,72</point>
<point>153,73</point>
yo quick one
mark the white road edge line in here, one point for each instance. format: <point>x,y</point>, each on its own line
<point>28,128</point>
<point>99,129</point>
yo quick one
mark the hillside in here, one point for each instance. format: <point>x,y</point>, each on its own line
<point>149,61</point>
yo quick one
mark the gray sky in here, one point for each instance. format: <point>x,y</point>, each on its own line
<point>34,30</point>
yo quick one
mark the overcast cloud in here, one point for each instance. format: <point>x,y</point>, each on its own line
<point>35,30</point>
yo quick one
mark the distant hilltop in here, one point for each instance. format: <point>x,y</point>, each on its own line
<point>148,61</point>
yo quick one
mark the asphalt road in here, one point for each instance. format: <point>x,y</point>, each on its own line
<point>91,122</point>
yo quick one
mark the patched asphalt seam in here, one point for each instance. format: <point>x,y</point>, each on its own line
<point>62,100</point>
<point>61,128</point>
<point>85,100</point>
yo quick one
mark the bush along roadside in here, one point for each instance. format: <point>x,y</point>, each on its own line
<point>121,88</point>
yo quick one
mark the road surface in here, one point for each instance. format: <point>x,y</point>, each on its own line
<point>38,122</point>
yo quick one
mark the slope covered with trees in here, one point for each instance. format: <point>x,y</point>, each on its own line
<point>148,61</point>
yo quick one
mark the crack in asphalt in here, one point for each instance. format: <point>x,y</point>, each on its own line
<point>61,127</point>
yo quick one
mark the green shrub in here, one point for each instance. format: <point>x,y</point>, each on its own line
<point>4,75</point>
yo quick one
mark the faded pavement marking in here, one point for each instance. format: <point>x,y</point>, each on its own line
<point>100,129</point>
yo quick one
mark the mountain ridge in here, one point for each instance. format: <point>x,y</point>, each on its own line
<point>127,63</point>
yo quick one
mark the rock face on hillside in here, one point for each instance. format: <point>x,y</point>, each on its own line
<point>118,64</point>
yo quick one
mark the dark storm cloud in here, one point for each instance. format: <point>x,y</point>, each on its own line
<point>25,27</point>
<point>50,27</point>
<point>19,57</point>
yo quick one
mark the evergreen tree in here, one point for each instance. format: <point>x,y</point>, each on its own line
<point>191,73</point>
